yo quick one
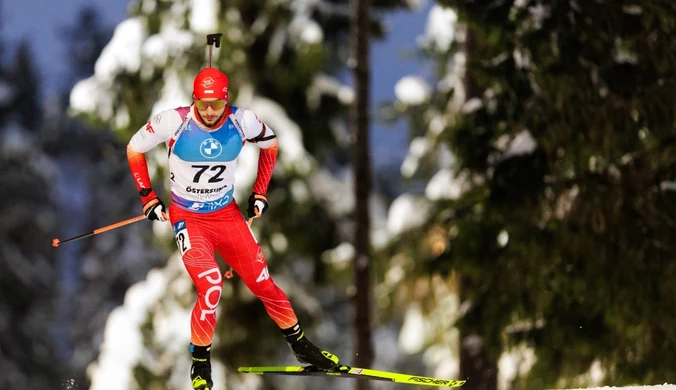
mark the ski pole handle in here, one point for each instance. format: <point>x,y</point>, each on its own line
<point>56,242</point>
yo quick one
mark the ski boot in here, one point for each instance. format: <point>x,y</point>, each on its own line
<point>308,353</point>
<point>200,371</point>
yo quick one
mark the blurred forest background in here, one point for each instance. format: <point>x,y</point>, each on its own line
<point>525,242</point>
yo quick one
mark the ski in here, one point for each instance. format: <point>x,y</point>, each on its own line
<point>354,373</point>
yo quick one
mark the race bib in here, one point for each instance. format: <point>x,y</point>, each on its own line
<point>182,237</point>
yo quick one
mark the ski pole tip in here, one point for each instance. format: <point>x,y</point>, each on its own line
<point>56,242</point>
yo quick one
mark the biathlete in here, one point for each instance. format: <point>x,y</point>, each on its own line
<point>203,142</point>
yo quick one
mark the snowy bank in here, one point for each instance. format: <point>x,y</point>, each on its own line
<point>660,387</point>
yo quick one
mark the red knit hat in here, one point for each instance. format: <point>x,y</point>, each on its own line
<point>210,83</point>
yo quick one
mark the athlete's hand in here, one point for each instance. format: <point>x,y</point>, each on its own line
<point>257,205</point>
<point>154,210</point>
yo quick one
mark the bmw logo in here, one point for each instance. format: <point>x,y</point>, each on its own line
<point>211,148</point>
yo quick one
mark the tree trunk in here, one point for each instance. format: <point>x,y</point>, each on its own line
<point>476,364</point>
<point>359,61</point>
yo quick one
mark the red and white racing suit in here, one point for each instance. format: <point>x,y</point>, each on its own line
<point>203,212</point>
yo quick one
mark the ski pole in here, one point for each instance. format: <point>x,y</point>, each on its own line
<point>56,242</point>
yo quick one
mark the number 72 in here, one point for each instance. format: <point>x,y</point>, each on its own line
<point>203,168</point>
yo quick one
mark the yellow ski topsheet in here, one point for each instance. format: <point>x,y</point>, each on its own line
<point>356,373</point>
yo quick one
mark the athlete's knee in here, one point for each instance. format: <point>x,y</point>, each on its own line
<point>209,286</point>
<point>264,288</point>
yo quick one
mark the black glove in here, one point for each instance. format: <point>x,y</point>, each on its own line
<point>257,205</point>
<point>154,210</point>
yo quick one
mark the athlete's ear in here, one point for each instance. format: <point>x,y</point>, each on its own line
<point>193,96</point>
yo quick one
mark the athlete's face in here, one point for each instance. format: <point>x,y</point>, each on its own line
<point>210,109</point>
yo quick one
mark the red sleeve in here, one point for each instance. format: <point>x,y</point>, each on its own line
<point>139,170</point>
<point>266,164</point>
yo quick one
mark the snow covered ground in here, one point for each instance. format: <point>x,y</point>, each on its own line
<point>660,387</point>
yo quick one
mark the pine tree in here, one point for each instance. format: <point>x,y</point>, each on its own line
<point>26,77</point>
<point>564,140</point>
<point>90,192</point>
<point>284,61</point>
<point>27,278</point>
<point>85,40</point>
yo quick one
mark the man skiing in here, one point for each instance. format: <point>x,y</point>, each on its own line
<point>203,142</point>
